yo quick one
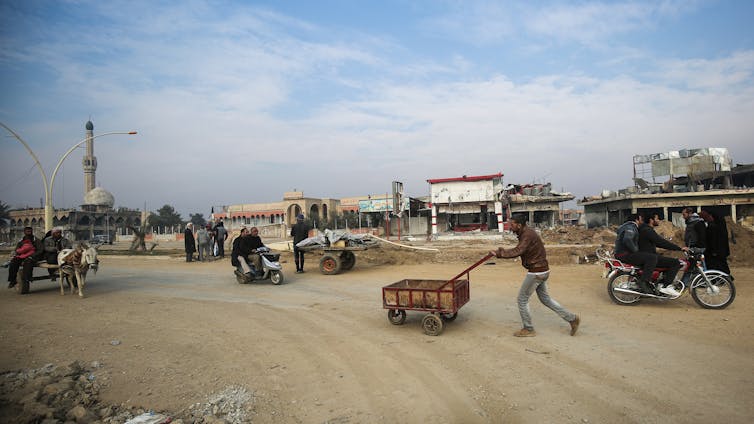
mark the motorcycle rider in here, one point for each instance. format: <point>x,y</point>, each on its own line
<point>649,240</point>
<point>627,250</point>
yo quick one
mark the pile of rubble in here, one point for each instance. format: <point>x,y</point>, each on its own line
<point>66,394</point>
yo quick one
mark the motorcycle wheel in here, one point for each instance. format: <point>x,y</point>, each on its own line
<point>276,277</point>
<point>718,295</point>
<point>622,281</point>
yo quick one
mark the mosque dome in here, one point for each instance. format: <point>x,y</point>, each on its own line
<point>98,196</point>
<point>89,126</point>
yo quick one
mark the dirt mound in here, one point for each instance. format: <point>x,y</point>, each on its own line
<point>577,235</point>
<point>70,393</point>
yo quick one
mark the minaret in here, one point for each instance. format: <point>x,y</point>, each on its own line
<point>89,161</point>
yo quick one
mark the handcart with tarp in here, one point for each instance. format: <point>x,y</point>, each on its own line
<point>440,298</point>
<point>338,248</point>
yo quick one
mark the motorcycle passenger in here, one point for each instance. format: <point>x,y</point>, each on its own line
<point>237,258</point>
<point>54,245</point>
<point>249,246</point>
<point>627,250</point>
<point>649,240</point>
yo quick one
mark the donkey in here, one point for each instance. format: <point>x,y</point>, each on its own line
<point>74,263</point>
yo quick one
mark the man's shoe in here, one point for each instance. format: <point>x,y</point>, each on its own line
<point>575,325</point>
<point>298,271</point>
<point>670,291</point>
<point>525,332</point>
<point>11,284</point>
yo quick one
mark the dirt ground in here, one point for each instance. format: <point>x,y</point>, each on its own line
<point>320,349</point>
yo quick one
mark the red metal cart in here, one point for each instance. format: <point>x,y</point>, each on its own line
<point>441,298</point>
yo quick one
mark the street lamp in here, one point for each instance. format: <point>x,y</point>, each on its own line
<point>49,210</point>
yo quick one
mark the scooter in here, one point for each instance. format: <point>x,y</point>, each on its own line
<point>271,269</point>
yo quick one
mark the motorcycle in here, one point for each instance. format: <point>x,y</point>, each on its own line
<point>711,289</point>
<point>271,269</point>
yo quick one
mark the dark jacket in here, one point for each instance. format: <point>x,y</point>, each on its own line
<point>696,232</point>
<point>235,252</point>
<point>299,232</point>
<point>188,238</point>
<point>717,239</point>
<point>627,240</point>
<point>531,249</point>
<point>249,243</point>
<point>649,240</point>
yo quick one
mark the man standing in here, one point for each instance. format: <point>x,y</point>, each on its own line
<point>696,230</point>
<point>52,246</point>
<point>190,244</point>
<point>534,258</point>
<point>202,242</point>
<point>299,232</point>
<point>649,240</point>
<point>221,234</point>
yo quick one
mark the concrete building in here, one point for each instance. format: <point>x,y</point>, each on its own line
<point>96,217</point>
<point>483,203</point>
<point>698,178</point>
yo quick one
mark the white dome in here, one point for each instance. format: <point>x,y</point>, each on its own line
<point>100,197</point>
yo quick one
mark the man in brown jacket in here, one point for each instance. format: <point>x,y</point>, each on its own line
<point>534,259</point>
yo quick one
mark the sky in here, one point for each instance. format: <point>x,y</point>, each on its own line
<point>240,101</point>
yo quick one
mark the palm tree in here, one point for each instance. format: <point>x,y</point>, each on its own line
<point>4,214</point>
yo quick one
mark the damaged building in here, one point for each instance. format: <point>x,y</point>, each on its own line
<point>484,203</point>
<point>665,183</point>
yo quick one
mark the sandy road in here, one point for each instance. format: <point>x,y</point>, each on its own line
<point>320,348</point>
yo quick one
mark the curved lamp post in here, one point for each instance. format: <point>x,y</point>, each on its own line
<point>49,210</point>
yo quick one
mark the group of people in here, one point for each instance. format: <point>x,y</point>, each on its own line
<point>637,242</point>
<point>244,246</point>
<point>30,250</point>
<point>208,241</point>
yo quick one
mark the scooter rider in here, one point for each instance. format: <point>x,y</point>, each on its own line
<point>237,258</point>
<point>649,240</point>
<point>627,250</point>
<point>248,248</point>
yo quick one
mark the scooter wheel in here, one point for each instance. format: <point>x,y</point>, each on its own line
<point>276,277</point>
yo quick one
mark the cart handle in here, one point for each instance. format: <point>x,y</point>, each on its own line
<point>467,270</point>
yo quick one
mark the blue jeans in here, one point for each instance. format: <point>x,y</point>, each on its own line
<point>538,282</point>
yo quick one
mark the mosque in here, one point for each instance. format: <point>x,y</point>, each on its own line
<point>96,218</point>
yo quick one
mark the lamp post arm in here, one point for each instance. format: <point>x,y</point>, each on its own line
<point>65,155</point>
<point>36,161</point>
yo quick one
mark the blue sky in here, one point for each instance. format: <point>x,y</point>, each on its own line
<point>239,101</point>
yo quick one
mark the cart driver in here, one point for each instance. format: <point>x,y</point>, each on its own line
<point>54,245</point>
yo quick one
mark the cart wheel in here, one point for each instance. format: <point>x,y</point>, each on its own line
<point>396,316</point>
<point>349,259</point>
<point>22,287</point>
<point>432,325</point>
<point>449,317</point>
<point>329,265</point>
